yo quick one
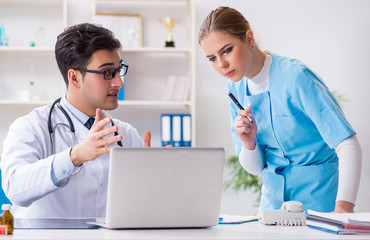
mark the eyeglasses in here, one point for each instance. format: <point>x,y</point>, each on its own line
<point>109,73</point>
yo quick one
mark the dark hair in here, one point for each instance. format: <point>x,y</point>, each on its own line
<point>77,43</point>
<point>224,19</point>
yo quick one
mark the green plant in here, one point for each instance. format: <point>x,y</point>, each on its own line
<point>340,97</point>
<point>241,180</point>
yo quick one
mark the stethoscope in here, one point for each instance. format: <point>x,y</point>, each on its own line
<point>71,126</point>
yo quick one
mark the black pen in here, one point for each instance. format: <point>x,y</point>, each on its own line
<point>238,104</point>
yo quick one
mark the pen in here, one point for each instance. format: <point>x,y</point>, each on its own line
<point>238,104</point>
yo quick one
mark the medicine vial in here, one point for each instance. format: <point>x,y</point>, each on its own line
<point>7,218</point>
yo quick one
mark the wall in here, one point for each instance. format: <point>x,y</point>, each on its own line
<point>330,36</point>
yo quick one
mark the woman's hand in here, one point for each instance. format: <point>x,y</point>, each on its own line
<point>344,207</point>
<point>245,129</point>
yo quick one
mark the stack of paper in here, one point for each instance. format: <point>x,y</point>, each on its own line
<point>339,223</point>
<point>235,219</point>
<point>177,88</point>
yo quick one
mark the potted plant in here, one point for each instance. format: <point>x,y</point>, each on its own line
<point>240,179</point>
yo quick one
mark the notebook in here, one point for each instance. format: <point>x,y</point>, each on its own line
<point>164,187</point>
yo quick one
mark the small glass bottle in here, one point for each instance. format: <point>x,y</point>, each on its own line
<point>7,218</point>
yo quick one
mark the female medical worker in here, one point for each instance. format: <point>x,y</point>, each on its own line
<point>64,174</point>
<point>298,131</point>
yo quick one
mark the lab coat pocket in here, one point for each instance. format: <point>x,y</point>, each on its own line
<point>296,132</point>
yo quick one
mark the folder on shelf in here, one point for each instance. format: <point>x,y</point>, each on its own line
<point>166,129</point>
<point>170,88</point>
<point>121,94</point>
<point>186,130</point>
<point>177,88</point>
<point>176,130</point>
<point>182,88</point>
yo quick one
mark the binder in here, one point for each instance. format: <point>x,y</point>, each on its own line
<point>186,130</point>
<point>176,130</point>
<point>166,127</point>
<point>121,94</point>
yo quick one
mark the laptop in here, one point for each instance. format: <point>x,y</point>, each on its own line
<point>164,187</point>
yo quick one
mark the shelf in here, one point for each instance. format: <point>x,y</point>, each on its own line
<point>156,50</point>
<point>123,103</point>
<point>24,2</point>
<point>22,103</point>
<point>154,103</point>
<point>105,1</point>
<point>131,50</point>
<point>26,49</point>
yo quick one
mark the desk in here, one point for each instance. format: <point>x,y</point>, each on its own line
<point>252,230</point>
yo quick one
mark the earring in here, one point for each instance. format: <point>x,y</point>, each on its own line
<point>252,46</point>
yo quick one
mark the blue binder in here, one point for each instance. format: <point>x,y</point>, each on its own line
<point>166,129</point>
<point>177,130</point>
<point>121,93</point>
<point>186,130</point>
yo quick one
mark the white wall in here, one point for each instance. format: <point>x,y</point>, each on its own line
<point>330,36</point>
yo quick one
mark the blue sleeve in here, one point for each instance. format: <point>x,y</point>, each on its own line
<point>322,107</point>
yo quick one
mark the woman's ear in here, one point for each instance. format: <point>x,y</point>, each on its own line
<point>250,38</point>
<point>74,78</point>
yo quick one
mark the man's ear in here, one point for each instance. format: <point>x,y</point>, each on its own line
<point>74,78</point>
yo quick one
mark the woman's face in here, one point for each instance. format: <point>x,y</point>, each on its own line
<point>230,56</point>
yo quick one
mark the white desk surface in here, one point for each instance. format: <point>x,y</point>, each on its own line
<point>252,230</point>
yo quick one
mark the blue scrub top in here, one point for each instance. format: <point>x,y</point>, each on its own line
<point>299,123</point>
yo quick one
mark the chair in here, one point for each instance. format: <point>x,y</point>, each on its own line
<point>3,198</point>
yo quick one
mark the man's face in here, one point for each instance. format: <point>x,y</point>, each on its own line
<point>95,91</point>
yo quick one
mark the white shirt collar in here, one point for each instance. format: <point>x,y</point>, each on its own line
<point>260,82</point>
<point>82,117</point>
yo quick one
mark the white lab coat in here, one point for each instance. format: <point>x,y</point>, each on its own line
<point>26,166</point>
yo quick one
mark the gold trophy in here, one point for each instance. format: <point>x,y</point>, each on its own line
<point>169,23</point>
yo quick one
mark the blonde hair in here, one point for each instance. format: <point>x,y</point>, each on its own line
<point>224,19</point>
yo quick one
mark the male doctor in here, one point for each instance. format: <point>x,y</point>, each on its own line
<point>63,171</point>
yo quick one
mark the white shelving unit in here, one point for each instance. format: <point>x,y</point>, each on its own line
<point>21,63</point>
<point>152,63</point>
<point>5,49</point>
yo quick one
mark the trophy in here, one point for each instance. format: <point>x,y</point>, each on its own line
<point>169,23</point>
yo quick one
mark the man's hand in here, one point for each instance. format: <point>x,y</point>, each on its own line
<point>147,138</point>
<point>95,144</point>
